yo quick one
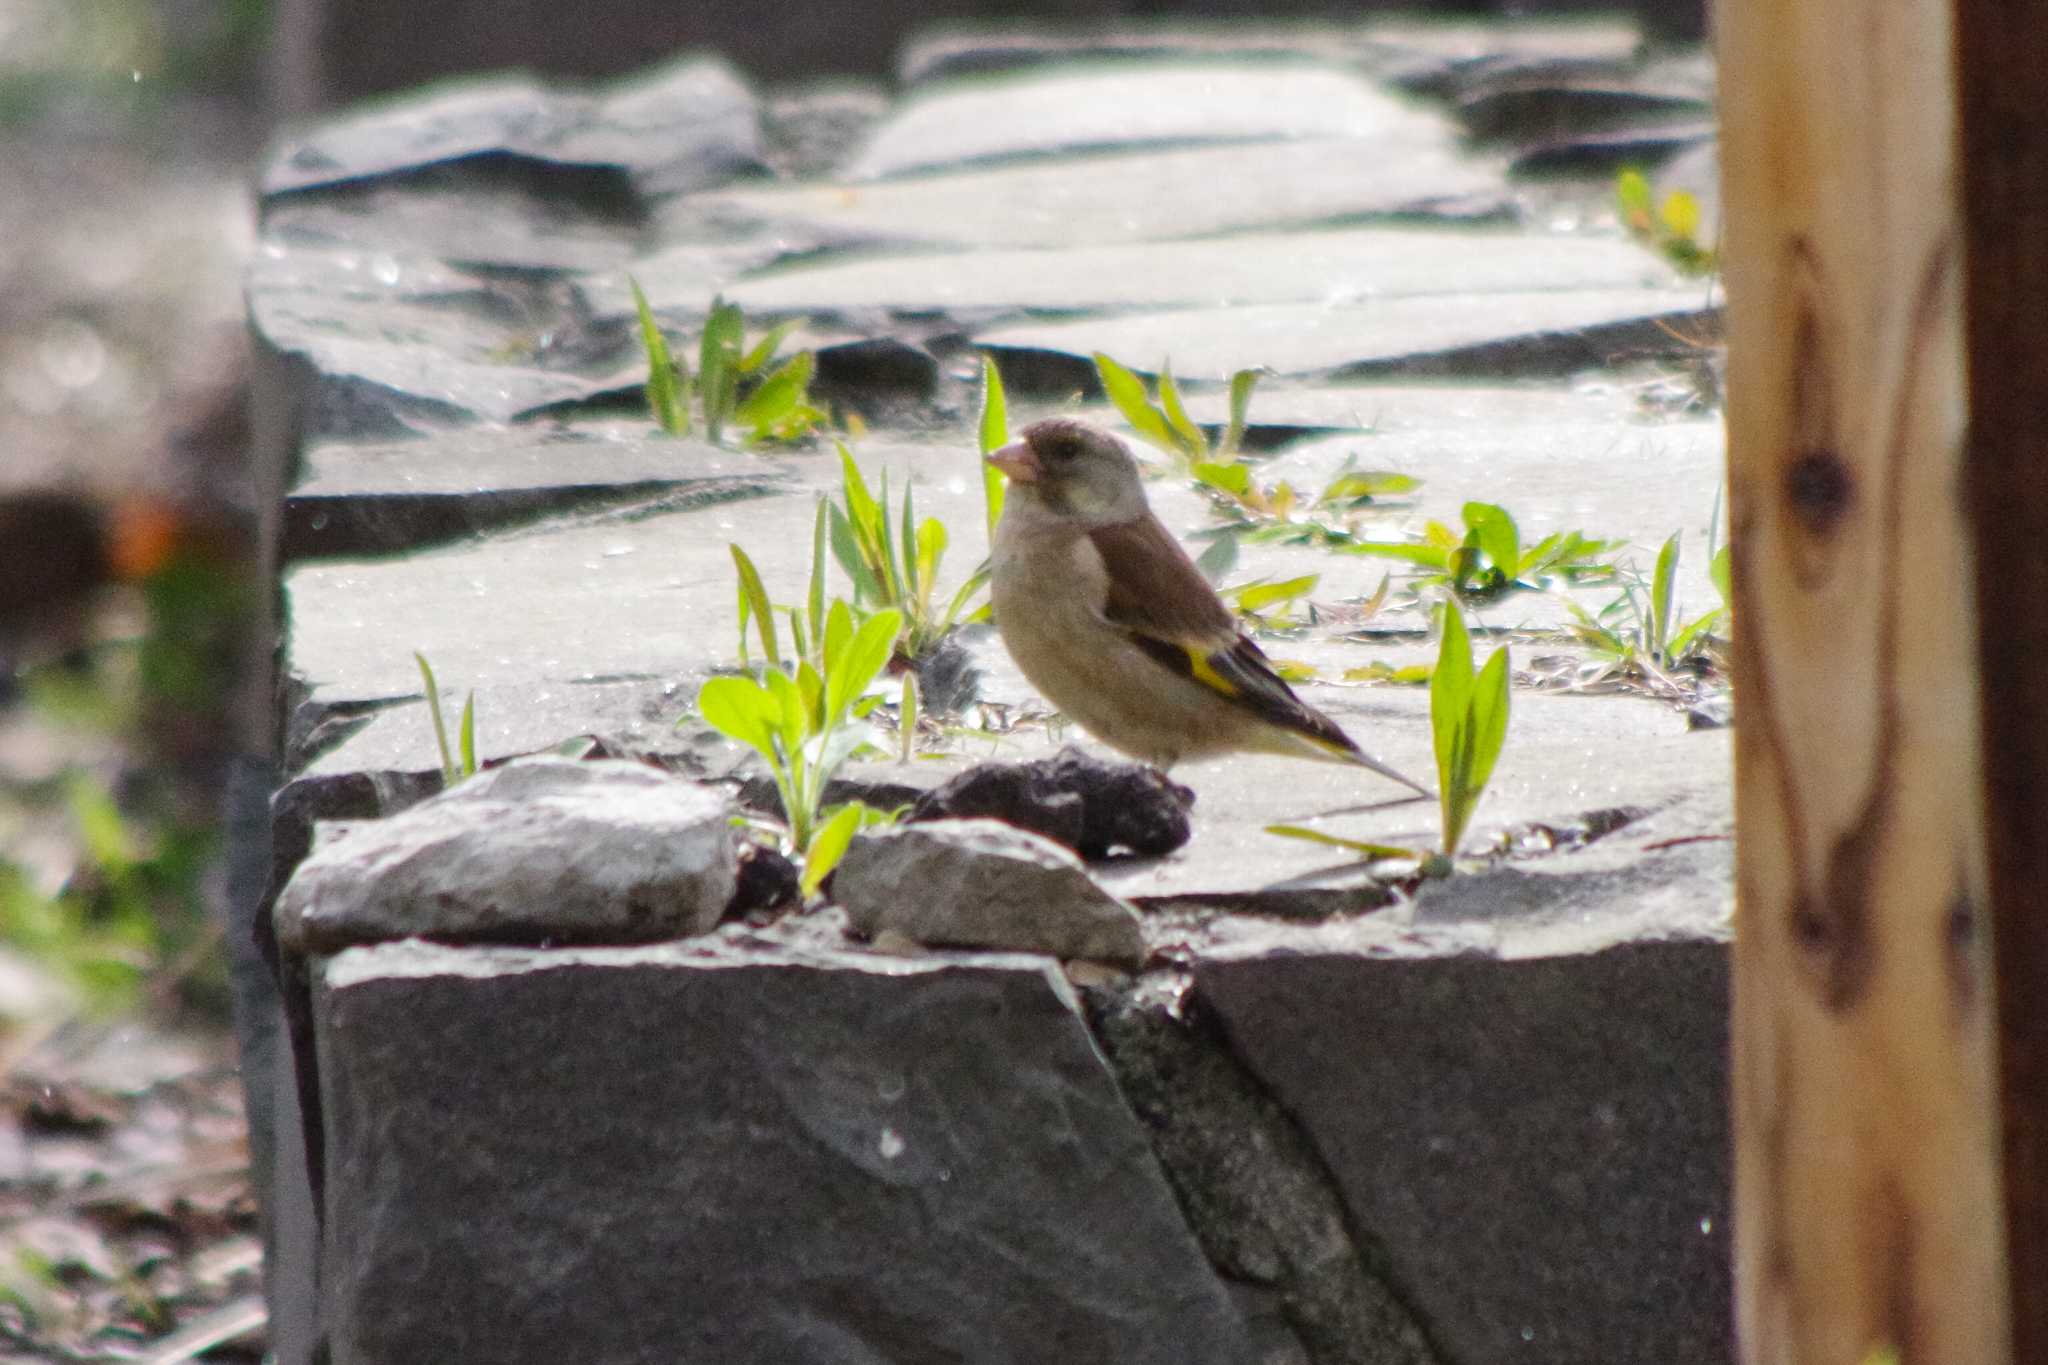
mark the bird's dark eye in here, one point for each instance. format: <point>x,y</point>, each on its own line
<point>1062,449</point>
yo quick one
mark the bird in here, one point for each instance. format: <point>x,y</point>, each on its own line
<point>1111,621</point>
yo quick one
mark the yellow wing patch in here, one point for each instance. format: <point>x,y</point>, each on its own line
<point>1205,673</point>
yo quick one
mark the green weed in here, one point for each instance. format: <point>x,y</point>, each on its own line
<point>1488,561</point>
<point>893,560</point>
<point>736,385</point>
<point>805,725</point>
<point>459,763</point>
<point>1670,228</point>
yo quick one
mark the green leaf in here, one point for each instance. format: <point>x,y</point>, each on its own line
<point>914,590</point>
<point>1450,696</point>
<point>906,717</point>
<point>846,548</point>
<point>757,601</point>
<point>1499,539</point>
<point>1429,556</point>
<point>995,420</point>
<point>449,775</point>
<point>815,602</point>
<point>800,640</point>
<point>668,402</point>
<point>792,713</point>
<point>1232,478</point>
<point>1688,636</point>
<point>1661,584</point>
<point>718,355</point>
<point>741,709</point>
<point>838,632</point>
<point>1219,559</point>
<point>1489,704</point>
<point>1194,442</point>
<point>1468,719</point>
<point>1632,196</point>
<point>1127,391</point>
<point>776,397</point>
<point>1717,569</point>
<point>828,846</point>
<point>1252,597</point>
<point>931,549</point>
<point>764,350</point>
<point>886,551</point>
<point>1241,385</point>
<point>864,657</point>
<point>467,736</point>
<point>994,433</point>
<point>1366,852</point>
<point>1353,485</point>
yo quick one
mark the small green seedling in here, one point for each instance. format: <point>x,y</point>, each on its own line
<point>994,431</point>
<point>736,385</point>
<point>1265,603</point>
<point>461,763</point>
<point>1488,562</point>
<point>668,382</point>
<point>1468,718</point>
<point>805,726</point>
<point>1165,423</point>
<point>1671,229</point>
<point>898,569</point>
<point>1641,628</point>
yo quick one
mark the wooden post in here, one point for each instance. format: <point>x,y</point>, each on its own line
<point>2002,90</point>
<point>1867,1212</point>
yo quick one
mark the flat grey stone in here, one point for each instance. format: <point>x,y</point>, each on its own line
<point>1528,333</point>
<point>1120,104</point>
<point>983,884</point>
<point>1418,50</point>
<point>396,342</point>
<point>1134,196</point>
<point>1564,757</point>
<point>463,218</point>
<point>1341,272</point>
<point>373,497</point>
<point>537,850</point>
<point>1537,1146</point>
<point>604,621</point>
<point>740,1150</point>
<point>673,128</point>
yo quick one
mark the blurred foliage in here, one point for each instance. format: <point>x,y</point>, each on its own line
<point>121,58</point>
<point>136,721</point>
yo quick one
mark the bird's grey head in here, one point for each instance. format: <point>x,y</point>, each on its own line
<point>1076,469</point>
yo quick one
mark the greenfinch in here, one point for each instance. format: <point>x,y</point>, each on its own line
<point>1108,617</point>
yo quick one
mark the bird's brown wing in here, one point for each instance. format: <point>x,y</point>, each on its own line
<point>1160,599</point>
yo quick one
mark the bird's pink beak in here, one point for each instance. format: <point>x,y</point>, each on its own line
<point>1017,460</point>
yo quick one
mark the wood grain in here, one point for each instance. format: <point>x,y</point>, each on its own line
<point>1867,1197</point>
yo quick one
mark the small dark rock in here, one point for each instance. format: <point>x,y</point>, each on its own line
<point>767,881</point>
<point>1073,798</point>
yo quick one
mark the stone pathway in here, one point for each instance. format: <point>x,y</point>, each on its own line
<point>448,280</point>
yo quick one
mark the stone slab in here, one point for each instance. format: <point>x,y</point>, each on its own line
<point>739,1152</point>
<point>396,341</point>
<point>1130,197</point>
<point>462,218</point>
<point>1538,1146</point>
<point>544,850</point>
<point>1089,105</point>
<point>672,128</point>
<point>1525,334</point>
<point>372,497</point>
<point>1338,269</point>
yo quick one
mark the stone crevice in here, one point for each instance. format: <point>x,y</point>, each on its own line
<point>1261,1202</point>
